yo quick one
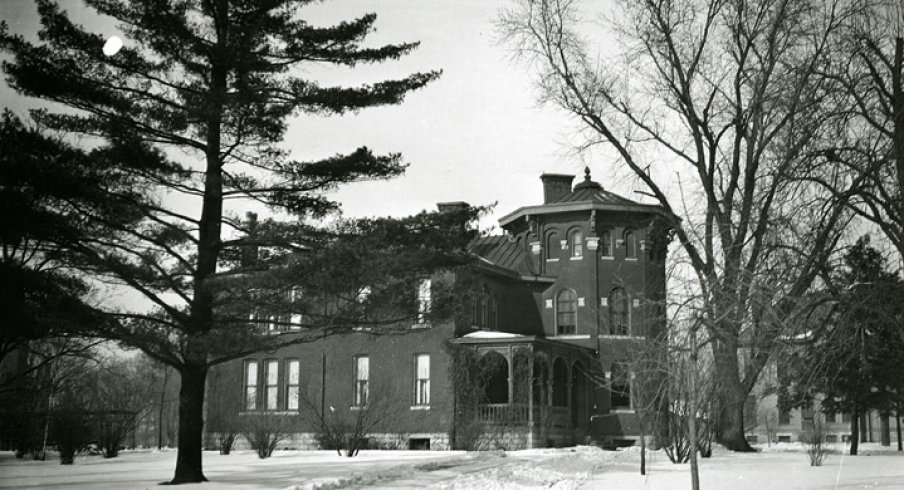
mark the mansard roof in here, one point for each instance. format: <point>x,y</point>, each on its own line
<point>504,251</point>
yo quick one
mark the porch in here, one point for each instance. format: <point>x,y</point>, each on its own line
<point>535,390</point>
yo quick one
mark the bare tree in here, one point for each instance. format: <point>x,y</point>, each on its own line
<point>870,71</point>
<point>722,95</point>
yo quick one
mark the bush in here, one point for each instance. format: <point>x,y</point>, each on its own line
<point>814,437</point>
<point>70,432</point>
<point>264,433</point>
<point>227,442</point>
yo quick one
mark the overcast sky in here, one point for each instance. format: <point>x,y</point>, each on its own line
<point>476,135</point>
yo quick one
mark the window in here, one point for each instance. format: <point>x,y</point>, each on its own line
<point>630,245</point>
<point>250,385</point>
<point>422,379</point>
<point>295,299</point>
<point>784,417</point>
<point>845,416</point>
<point>272,388</point>
<point>831,438</point>
<point>619,312</point>
<point>577,244</point>
<point>484,311</point>
<point>362,376</point>
<point>292,384</point>
<point>566,312</point>
<point>752,438</point>
<point>620,387</point>
<point>424,300</point>
<point>606,244</point>
<point>784,438</point>
<point>552,246</point>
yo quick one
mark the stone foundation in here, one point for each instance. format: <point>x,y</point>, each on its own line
<point>306,441</point>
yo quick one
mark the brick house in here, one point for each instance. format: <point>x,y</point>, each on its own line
<point>559,300</point>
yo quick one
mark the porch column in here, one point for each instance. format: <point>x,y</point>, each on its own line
<point>511,373</point>
<point>530,388</point>
<point>530,397</point>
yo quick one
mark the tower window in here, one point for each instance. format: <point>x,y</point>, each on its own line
<point>630,245</point>
<point>552,245</point>
<point>606,244</point>
<point>577,244</point>
<point>619,312</point>
<point>566,312</point>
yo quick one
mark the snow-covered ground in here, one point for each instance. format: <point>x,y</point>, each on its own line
<point>782,466</point>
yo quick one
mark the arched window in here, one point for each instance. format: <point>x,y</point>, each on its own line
<point>566,312</point>
<point>630,245</point>
<point>606,244</point>
<point>552,245</point>
<point>619,313</point>
<point>494,371</point>
<point>577,244</point>
<point>485,310</point>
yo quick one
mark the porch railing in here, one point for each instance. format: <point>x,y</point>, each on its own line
<point>522,414</point>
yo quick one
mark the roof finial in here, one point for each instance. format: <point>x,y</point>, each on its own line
<point>587,173</point>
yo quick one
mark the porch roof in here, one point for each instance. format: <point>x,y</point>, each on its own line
<point>505,338</point>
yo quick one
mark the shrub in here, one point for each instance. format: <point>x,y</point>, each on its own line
<point>264,433</point>
<point>814,437</point>
<point>227,442</point>
<point>70,432</point>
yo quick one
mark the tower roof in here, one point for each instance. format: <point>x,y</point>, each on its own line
<point>586,195</point>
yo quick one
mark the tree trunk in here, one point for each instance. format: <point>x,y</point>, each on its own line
<point>897,88</point>
<point>864,426</point>
<point>730,397</point>
<point>898,425</point>
<point>855,430</point>
<point>692,409</point>
<point>884,429</point>
<point>191,425</point>
<point>160,409</point>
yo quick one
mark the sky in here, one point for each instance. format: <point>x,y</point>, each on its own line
<point>476,135</point>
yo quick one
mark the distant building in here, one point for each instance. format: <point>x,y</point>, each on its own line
<point>768,424</point>
<point>558,301</point>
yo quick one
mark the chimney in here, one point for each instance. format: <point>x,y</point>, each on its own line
<point>445,207</point>
<point>555,186</point>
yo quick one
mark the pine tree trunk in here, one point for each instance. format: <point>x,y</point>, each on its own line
<point>730,396</point>
<point>855,430</point>
<point>191,426</point>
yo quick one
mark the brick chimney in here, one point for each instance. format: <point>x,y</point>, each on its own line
<point>555,186</point>
<point>451,206</point>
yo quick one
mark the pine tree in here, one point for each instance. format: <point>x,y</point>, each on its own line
<point>202,93</point>
<point>45,186</point>
<point>853,360</point>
